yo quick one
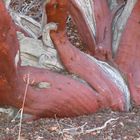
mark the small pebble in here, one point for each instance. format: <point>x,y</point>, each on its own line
<point>77,44</point>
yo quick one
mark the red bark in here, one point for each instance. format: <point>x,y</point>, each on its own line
<point>82,25</point>
<point>128,56</point>
<point>77,62</point>
<point>64,97</point>
<point>100,46</point>
<point>57,12</point>
<point>104,19</point>
<point>8,43</point>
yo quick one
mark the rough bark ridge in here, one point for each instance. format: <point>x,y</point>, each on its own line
<point>53,94</point>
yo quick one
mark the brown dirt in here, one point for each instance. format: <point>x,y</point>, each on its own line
<point>126,127</point>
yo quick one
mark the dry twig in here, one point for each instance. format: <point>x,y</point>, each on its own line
<point>23,104</point>
<point>80,130</point>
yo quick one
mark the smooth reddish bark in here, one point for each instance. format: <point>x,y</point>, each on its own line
<point>7,65</point>
<point>57,11</point>
<point>102,17</point>
<point>77,62</point>
<point>64,97</point>
<point>128,56</point>
<point>100,46</point>
<point>83,27</point>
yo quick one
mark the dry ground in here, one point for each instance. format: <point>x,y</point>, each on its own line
<point>125,126</point>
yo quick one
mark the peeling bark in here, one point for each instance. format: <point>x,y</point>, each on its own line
<point>120,23</point>
<point>62,96</point>
<point>53,94</point>
<point>100,18</point>
<point>78,63</point>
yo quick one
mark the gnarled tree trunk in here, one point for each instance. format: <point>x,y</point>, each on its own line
<point>104,78</point>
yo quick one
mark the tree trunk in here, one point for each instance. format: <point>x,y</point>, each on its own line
<point>107,74</point>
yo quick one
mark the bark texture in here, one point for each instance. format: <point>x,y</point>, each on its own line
<point>53,94</point>
<point>128,53</point>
